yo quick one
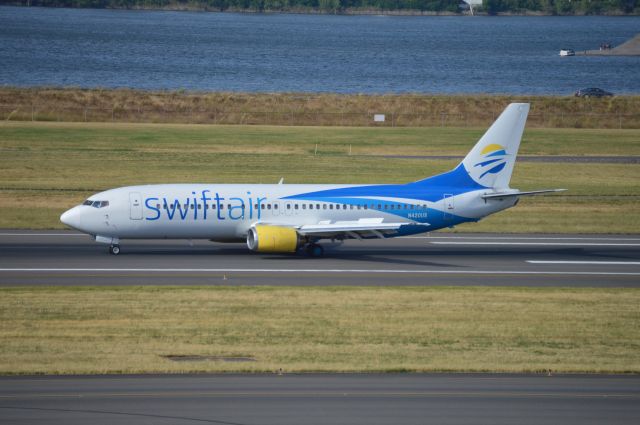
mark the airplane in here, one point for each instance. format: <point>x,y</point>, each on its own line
<point>290,218</point>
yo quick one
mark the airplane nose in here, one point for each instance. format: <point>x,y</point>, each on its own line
<point>71,218</point>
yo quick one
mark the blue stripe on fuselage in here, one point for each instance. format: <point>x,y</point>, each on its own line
<point>431,189</point>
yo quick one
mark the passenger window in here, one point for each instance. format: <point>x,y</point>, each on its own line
<point>385,207</point>
<point>324,206</point>
<point>330,206</point>
<point>351,207</point>
<point>157,205</point>
<point>358,206</point>
<point>221,206</point>
<point>317,206</point>
<point>199,206</point>
<point>288,206</point>
<point>206,206</point>
<point>213,206</point>
<point>192,207</point>
<point>304,206</point>
<point>379,206</point>
<point>295,206</point>
<point>262,206</point>
<point>268,206</point>
<point>229,206</point>
<point>365,206</point>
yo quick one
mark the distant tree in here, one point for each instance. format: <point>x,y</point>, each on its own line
<point>221,5</point>
<point>329,5</point>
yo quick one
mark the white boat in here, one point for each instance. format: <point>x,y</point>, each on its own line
<point>567,52</point>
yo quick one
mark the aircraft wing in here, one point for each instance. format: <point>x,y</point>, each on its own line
<point>364,228</point>
<point>518,193</point>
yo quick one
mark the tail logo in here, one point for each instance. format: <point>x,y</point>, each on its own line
<point>494,159</point>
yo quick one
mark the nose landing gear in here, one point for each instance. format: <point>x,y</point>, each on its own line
<point>114,249</point>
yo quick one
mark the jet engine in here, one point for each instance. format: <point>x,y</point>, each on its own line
<point>264,238</point>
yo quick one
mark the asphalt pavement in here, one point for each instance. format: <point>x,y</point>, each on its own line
<point>70,258</point>
<point>354,399</point>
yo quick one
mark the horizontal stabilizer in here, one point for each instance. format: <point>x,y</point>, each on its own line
<point>518,193</point>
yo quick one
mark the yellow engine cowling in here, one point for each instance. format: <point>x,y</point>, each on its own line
<point>264,238</point>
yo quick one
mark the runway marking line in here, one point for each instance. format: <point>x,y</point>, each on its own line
<point>43,234</point>
<point>525,238</point>
<point>536,243</point>
<point>515,237</point>
<point>599,263</point>
<point>294,393</point>
<point>328,271</point>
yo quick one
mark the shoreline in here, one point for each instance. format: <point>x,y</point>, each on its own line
<point>345,12</point>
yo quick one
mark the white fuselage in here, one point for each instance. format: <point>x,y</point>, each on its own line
<point>226,212</point>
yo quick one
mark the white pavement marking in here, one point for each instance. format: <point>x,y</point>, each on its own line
<point>43,234</point>
<point>459,238</point>
<point>606,263</point>
<point>381,271</point>
<point>524,238</point>
<point>537,243</point>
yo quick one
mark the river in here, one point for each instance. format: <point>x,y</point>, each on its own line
<point>312,53</point>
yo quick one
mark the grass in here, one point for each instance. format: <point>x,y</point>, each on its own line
<point>405,110</point>
<point>48,167</point>
<point>84,330</point>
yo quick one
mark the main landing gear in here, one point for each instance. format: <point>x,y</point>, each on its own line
<point>114,249</point>
<point>314,250</point>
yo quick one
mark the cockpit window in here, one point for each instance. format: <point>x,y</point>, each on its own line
<point>96,204</point>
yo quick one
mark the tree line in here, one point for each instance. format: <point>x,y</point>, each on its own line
<point>492,7</point>
<point>562,7</point>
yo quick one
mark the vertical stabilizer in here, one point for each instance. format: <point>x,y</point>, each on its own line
<point>490,162</point>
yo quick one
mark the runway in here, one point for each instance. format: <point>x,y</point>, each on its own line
<point>321,399</point>
<point>69,258</point>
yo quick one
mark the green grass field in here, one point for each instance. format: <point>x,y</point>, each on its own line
<point>48,167</point>
<point>130,330</point>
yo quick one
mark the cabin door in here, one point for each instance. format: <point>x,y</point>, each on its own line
<point>449,207</point>
<point>135,206</point>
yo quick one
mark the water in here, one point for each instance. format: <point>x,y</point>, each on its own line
<point>311,53</point>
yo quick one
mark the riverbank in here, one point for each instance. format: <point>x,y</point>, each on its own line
<point>225,7</point>
<point>629,48</point>
<point>393,110</point>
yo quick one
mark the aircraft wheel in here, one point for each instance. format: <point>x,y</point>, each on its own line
<point>114,249</point>
<point>315,250</point>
